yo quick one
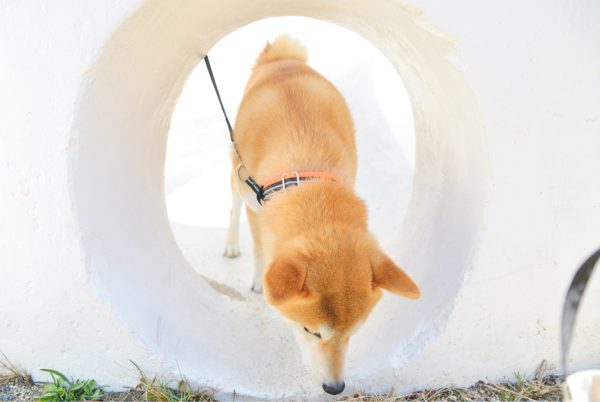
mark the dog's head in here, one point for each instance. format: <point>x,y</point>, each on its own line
<point>327,282</point>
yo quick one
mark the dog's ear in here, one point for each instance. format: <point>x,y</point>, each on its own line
<point>390,277</point>
<point>283,280</point>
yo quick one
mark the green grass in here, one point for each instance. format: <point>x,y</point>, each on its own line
<point>64,389</point>
<point>156,389</point>
<point>520,388</point>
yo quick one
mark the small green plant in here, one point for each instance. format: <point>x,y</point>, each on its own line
<point>505,395</point>
<point>64,389</point>
<point>521,382</point>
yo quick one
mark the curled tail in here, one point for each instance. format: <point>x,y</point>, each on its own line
<point>284,47</point>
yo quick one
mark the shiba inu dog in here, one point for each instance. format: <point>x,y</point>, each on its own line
<point>322,268</point>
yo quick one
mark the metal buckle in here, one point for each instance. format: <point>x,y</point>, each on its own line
<point>238,169</point>
<point>284,175</point>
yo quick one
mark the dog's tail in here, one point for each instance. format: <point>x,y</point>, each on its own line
<point>284,47</point>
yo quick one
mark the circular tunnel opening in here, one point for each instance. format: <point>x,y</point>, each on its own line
<point>198,160</point>
<point>118,191</point>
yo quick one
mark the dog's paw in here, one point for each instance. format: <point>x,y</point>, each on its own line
<point>232,250</point>
<point>256,287</point>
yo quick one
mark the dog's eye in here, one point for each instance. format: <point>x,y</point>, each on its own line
<point>318,335</point>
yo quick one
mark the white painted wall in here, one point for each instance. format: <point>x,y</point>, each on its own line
<point>505,199</point>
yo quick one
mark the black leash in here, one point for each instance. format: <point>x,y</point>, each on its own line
<point>254,186</point>
<point>572,300</point>
<point>212,78</point>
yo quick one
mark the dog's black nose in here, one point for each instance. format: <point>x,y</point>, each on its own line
<point>334,388</point>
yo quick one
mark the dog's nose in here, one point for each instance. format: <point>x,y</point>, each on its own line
<point>334,388</point>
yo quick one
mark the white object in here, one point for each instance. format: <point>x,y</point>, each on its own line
<point>583,386</point>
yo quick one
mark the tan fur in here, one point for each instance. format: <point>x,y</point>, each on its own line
<point>284,47</point>
<point>322,266</point>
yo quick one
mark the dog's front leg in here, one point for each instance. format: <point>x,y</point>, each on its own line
<point>232,244</point>
<point>258,253</point>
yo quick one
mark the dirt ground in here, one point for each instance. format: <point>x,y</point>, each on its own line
<point>519,389</point>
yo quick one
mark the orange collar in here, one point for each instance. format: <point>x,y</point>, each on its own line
<point>287,179</point>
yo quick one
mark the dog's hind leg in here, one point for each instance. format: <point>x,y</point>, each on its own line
<point>258,253</point>
<point>232,243</point>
